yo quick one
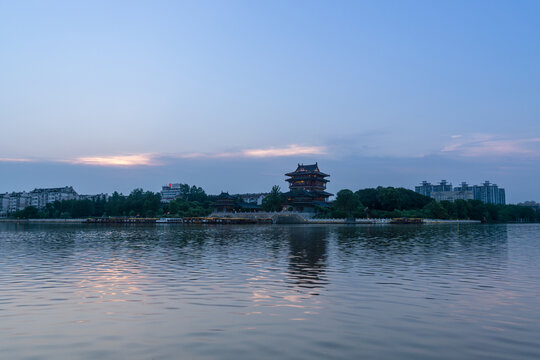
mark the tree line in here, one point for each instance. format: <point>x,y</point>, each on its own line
<point>380,202</point>
<point>390,202</point>
<point>193,201</point>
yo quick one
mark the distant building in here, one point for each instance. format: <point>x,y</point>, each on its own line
<point>531,204</point>
<point>307,185</point>
<point>97,197</point>
<point>452,195</point>
<point>462,192</point>
<point>255,198</point>
<point>427,188</point>
<point>225,203</point>
<point>15,201</point>
<point>5,202</point>
<point>487,192</point>
<point>41,197</point>
<point>19,201</point>
<point>172,192</point>
<point>463,187</point>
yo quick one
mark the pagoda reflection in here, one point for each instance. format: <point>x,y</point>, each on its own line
<point>308,256</point>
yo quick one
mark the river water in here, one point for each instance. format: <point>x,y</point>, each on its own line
<point>270,292</point>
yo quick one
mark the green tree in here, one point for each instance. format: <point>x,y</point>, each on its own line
<point>29,212</point>
<point>347,202</point>
<point>436,210</point>
<point>461,209</point>
<point>274,200</point>
<point>390,199</point>
<point>450,208</point>
<point>370,198</point>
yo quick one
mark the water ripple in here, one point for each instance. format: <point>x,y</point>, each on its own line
<point>244,292</point>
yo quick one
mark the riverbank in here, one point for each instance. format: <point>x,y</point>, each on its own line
<point>233,220</point>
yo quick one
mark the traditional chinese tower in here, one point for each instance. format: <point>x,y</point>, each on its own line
<point>307,185</point>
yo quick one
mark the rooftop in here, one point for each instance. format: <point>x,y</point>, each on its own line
<point>303,169</point>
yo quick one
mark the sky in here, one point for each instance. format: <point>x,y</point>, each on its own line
<point>230,95</point>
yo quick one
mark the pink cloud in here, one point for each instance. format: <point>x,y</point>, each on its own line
<point>290,150</point>
<point>147,159</point>
<point>116,160</point>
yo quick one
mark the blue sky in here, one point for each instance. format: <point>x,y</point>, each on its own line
<point>231,95</point>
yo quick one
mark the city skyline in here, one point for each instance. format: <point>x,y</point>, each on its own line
<point>116,96</point>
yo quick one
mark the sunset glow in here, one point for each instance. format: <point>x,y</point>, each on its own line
<point>126,160</point>
<point>290,150</point>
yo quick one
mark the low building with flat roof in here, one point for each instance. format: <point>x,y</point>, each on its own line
<point>452,195</point>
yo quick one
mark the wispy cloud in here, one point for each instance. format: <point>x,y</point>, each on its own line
<point>149,159</point>
<point>485,145</point>
<point>3,159</point>
<point>290,150</point>
<point>116,160</point>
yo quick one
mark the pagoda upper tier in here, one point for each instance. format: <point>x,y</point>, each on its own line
<point>308,170</point>
<point>308,178</point>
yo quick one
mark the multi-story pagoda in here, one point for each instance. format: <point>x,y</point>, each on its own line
<point>307,185</point>
<point>225,203</point>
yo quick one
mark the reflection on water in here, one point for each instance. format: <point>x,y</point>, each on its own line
<point>312,292</point>
<point>307,256</point>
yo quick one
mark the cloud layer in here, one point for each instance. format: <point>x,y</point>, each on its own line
<point>15,160</point>
<point>116,160</point>
<point>289,150</point>
<point>148,159</point>
<point>486,145</point>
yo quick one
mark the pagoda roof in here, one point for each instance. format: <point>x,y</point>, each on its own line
<point>323,193</point>
<point>305,193</point>
<point>304,176</point>
<point>299,193</point>
<point>310,169</point>
<point>224,195</point>
<point>313,167</point>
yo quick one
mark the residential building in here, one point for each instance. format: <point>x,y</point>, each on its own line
<point>452,195</point>
<point>41,197</point>
<point>463,187</point>
<point>487,192</point>
<point>427,188</point>
<point>424,189</point>
<point>97,197</point>
<point>18,201</point>
<point>4,204</point>
<point>172,192</point>
<point>256,198</point>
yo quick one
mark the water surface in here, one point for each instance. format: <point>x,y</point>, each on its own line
<point>269,292</point>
